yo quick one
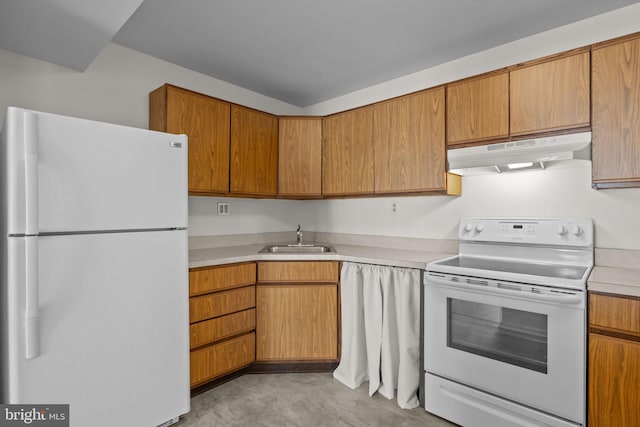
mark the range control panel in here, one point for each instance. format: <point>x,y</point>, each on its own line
<point>557,231</point>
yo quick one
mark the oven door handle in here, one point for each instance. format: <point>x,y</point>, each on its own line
<point>562,297</point>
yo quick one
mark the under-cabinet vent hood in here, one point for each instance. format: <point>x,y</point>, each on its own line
<point>519,155</point>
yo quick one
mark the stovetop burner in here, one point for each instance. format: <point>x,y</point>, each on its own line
<point>529,268</point>
<point>549,252</point>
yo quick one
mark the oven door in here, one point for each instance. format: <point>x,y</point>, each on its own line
<point>526,346</point>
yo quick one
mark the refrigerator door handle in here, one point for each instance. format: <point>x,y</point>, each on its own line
<point>31,172</point>
<point>32,312</point>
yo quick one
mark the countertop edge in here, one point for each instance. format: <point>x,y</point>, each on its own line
<point>606,279</point>
<point>363,254</point>
<point>611,288</point>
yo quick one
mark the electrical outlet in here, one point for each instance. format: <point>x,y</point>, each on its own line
<point>223,209</point>
<point>394,207</point>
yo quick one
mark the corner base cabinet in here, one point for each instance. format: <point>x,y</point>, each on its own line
<point>222,320</point>
<point>614,361</point>
<point>297,311</point>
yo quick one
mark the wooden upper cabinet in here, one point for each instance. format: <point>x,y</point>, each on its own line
<point>300,157</point>
<point>347,158</point>
<point>205,121</point>
<point>550,96</point>
<point>254,152</point>
<point>478,109</point>
<point>616,114</point>
<point>409,143</point>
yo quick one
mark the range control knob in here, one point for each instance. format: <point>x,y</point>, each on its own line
<point>468,228</point>
<point>576,230</point>
<point>479,228</point>
<point>561,230</point>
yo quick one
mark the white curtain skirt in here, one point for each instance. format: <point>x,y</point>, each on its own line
<point>381,331</point>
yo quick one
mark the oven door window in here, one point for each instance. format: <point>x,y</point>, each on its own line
<point>511,336</point>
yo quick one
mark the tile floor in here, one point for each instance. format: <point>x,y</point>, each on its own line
<point>304,400</point>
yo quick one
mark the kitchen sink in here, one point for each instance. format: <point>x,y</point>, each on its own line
<point>310,248</point>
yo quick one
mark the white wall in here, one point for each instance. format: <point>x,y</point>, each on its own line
<point>559,191</point>
<point>249,216</point>
<point>582,33</point>
<point>114,88</point>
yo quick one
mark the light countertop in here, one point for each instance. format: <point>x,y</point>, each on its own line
<point>615,280</point>
<point>364,254</point>
<point>616,272</point>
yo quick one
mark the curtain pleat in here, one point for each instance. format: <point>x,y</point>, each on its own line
<point>380,330</point>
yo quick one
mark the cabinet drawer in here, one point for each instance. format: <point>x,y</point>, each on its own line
<point>209,279</point>
<point>615,313</point>
<point>298,271</point>
<point>222,327</point>
<point>221,303</point>
<point>223,358</point>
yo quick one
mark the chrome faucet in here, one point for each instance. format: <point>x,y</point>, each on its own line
<point>299,234</point>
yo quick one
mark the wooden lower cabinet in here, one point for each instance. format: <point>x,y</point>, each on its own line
<point>614,361</point>
<point>292,316</point>
<point>297,311</point>
<point>222,320</point>
<point>297,322</point>
<point>216,360</point>
<point>614,382</point>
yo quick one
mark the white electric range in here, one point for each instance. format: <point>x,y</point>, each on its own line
<point>505,324</point>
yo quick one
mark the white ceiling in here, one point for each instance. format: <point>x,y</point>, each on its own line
<point>298,51</point>
<point>66,32</point>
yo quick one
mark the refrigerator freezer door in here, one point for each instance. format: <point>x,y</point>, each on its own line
<point>67,175</point>
<point>113,324</point>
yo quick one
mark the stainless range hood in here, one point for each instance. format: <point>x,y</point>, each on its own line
<point>519,155</point>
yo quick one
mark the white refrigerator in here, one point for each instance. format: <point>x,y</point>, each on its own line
<point>94,291</point>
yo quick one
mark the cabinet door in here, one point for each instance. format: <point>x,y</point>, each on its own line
<point>409,145</point>
<point>550,96</point>
<point>616,113</point>
<point>478,109</point>
<point>297,322</point>
<point>347,157</point>
<point>614,375</point>
<point>300,157</point>
<point>205,121</point>
<point>254,152</point>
